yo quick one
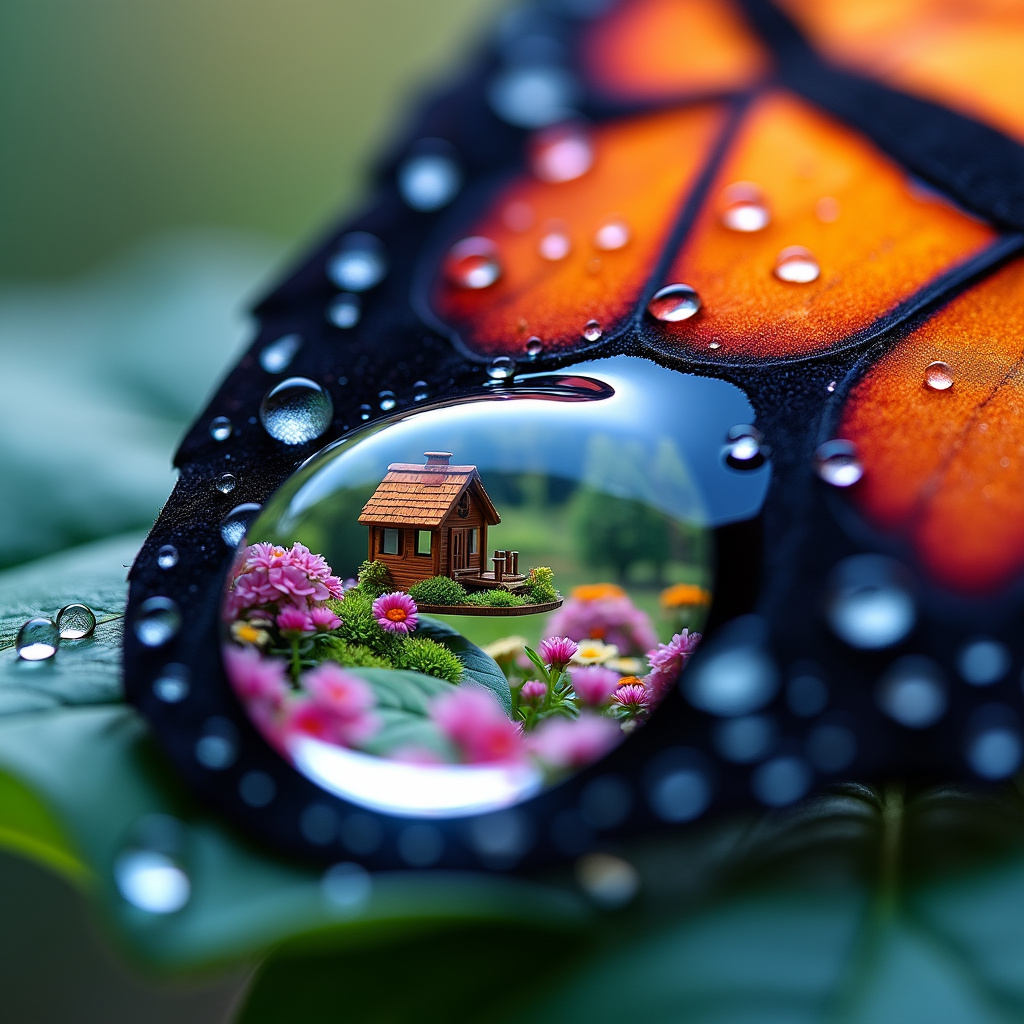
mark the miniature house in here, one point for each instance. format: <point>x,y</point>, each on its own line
<point>431,520</point>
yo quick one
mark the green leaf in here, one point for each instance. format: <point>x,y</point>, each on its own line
<point>479,666</point>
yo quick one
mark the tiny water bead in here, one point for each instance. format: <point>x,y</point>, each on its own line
<point>612,235</point>
<point>157,621</point>
<point>278,355</point>
<point>743,208</point>
<point>501,368</point>
<point>217,747</point>
<point>75,621</point>
<point>427,181</point>
<point>344,310</point>
<point>150,872</point>
<point>592,331</point>
<point>420,391</point>
<point>609,881</point>
<point>387,400</point>
<point>869,604</point>
<point>220,428</point>
<point>678,785</point>
<point>746,448</point>
<point>365,412</point>
<point>554,246</point>
<point>358,263</point>
<point>912,691</point>
<point>781,781</point>
<point>296,411</point>
<point>994,748</point>
<point>173,684</point>
<point>226,483</point>
<point>473,263</point>
<point>534,347</point>
<point>983,661</point>
<point>796,265</point>
<point>37,639</point>
<point>838,463</point>
<point>938,376</point>
<point>673,303</point>
<point>533,96</point>
<point>167,556</point>
<point>561,153</point>
<point>234,525</point>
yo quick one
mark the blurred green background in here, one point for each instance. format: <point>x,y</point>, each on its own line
<point>160,161</point>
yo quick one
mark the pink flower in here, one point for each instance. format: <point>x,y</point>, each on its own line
<point>254,677</point>
<point>594,685</point>
<point>338,708</point>
<point>633,698</point>
<point>324,620</point>
<point>610,617</point>
<point>557,651</point>
<point>574,742</point>
<point>533,691</point>
<point>395,613</point>
<point>478,727</point>
<point>293,622</point>
<point>667,661</point>
<point>269,575</point>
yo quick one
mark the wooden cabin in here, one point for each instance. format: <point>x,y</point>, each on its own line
<point>430,520</point>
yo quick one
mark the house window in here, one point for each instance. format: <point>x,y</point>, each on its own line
<point>389,545</point>
<point>423,539</point>
<point>463,507</point>
<point>474,541</point>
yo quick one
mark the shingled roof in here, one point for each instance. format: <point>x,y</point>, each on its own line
<point>423,495</point>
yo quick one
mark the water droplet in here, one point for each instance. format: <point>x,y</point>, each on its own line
<point>827,210</point>
<point>173,684</point>
<point>149,872</point>
<point>387,400</point>
<point>429,180</point>
<point>344,310</point>
<point>358,263</point>
<point>678,785</point>
<point>746,448</point>
<point>167,556</point>
<point>673,303</point>
<point>781,781</point>
<point>831,386</point>
<point>226,483</point>
<point>913,692</point>
<point>220,428</point>
<point>737,676</point>
<point>869,604</point>
<point>714,344</point>
<point>534,347</point>
<point>420,391</point>
<point>473,263</point>
<point>296,411</point>
<point>554,246</point>
<point>837,463</point>
<point>609,881</point>
<point>157,621</point>
<point>217,747</point>
<point>796,265</point>
<point>592,331</point>
<point>993,742</point>
<point>983,661</point>
<point>534,96</point>
<point>236,523</point>
<point>37,639</point>
<point>743,207</point>
<point>562,152</point>
<point>347,887</point>
<point>278,355</point>
<point>365,412</point>
<point>75,621</point>
<point>612,235</point>
<point>938,376</point>
<point>501,368</point>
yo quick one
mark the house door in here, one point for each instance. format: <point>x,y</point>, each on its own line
<point>460,549</point>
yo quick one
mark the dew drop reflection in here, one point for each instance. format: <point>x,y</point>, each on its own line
<point>296,411</point>
<point>983,661</point>
<point>37,639</point>
<point>781,781</point>
<point>912,691</point>
<point>736,676</point>
<point>869,605</point>
<point>75,621</point>
<point>428,181</point>
<point>994,748</point>
<point>149,871</point>
<point>157,621</point>
<point>358,263</point>
<point>278,355</point>
<point>745,740</point>
<point>167,556</point>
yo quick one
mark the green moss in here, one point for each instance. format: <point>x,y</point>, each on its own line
<point>359,628</point>
<point>352,655</point>
<point>421,654</point>
<point>496,599</point>
<point>374,579</point>
<point>438,590</point>
<point>542,585</point>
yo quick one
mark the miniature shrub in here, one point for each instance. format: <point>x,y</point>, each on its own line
<point>352,655</point>
<point>359,627</point>
<point>374,579</point>
<point>421,654</point>
<point>496,599</point>
<point>438,590</point>
<point>542,585</point>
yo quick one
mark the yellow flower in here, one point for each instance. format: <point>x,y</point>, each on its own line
<point>507,648</point>
<point>597,591</point>
<point>629,667</point>
<point>684,595</point>
<point>594,652</point>
<point>247,633</point>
